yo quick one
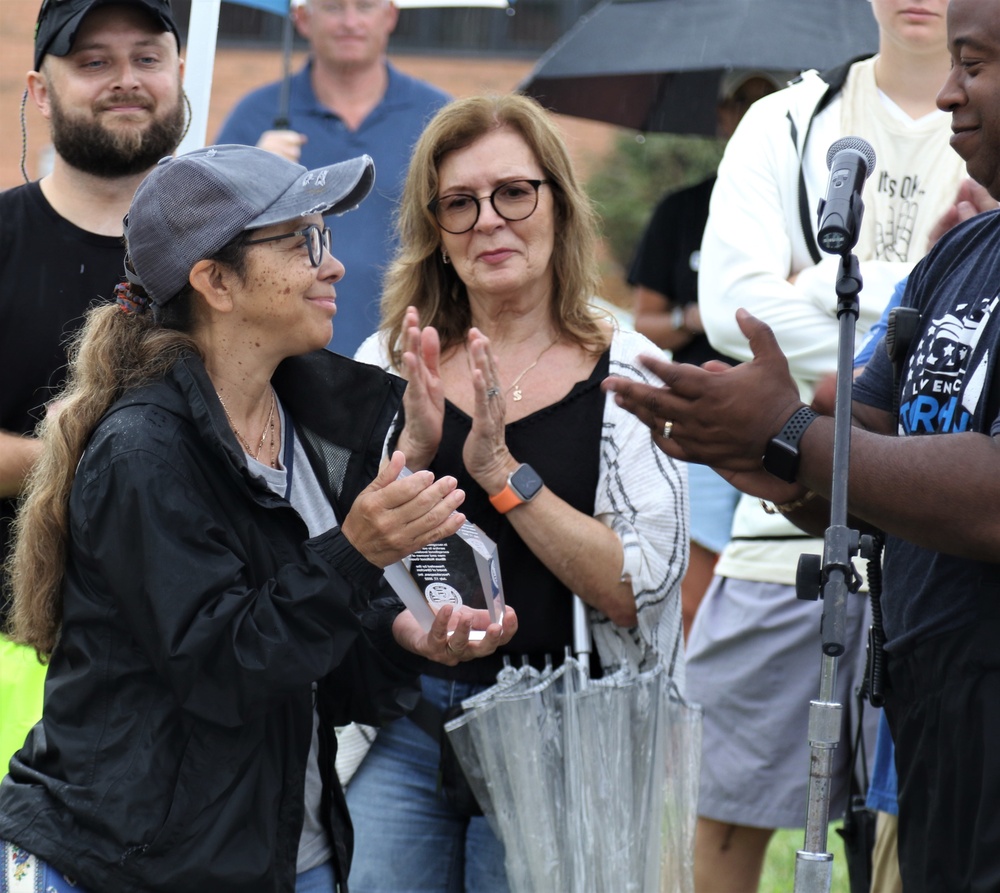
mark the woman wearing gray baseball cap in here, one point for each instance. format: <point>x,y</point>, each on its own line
<point>200,553</point>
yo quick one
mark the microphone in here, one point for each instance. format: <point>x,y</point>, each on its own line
<point>851,161</point>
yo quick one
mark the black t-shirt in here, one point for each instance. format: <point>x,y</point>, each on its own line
<point>668,255</point>
<point>50,272</point>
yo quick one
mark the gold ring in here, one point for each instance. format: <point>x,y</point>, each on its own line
<point>668,427</point>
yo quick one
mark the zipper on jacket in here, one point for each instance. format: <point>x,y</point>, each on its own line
<point>133,851</point>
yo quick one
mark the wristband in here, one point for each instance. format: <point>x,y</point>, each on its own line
<point>781,457</point>
<point>522,486</point>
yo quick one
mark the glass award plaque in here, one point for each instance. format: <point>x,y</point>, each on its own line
<point>460,570</point>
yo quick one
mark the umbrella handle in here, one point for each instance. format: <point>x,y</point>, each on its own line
<point>581,634</point>
<point>281,121</point>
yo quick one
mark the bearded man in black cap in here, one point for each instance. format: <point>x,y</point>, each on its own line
<point>107,76</point>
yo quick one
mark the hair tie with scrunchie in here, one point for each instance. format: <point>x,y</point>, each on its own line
<point>128,301</point>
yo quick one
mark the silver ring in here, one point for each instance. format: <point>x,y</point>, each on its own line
<point>668,428</point>
<point>492,392</point>
<point>451,650</point>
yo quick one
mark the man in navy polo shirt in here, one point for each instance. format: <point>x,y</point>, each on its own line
<point>347,101</point>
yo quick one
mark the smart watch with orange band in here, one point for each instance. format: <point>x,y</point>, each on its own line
<point>523,485</point>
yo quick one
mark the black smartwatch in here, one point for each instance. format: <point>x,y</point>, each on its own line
<point>781,458</point>
<point>523,485</point>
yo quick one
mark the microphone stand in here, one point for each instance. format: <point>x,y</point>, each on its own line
<point>833,578</point>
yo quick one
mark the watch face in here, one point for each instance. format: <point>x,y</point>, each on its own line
<point>782,460</point>
<point>525,482</point>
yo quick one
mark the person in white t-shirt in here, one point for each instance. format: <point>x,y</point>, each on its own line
<point>754,652</point>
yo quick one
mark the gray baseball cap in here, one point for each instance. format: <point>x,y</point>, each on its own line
<point>190,206</point>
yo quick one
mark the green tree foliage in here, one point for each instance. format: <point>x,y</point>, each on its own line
<point>639,171</point>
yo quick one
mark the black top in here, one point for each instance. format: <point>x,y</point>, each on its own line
<point>562,443</point>
<point>667,259</point>
<point>50,272</point>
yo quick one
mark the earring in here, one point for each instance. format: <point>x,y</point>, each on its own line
<point>444,256</point>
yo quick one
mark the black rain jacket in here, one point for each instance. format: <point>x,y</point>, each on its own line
<point>197,614</point>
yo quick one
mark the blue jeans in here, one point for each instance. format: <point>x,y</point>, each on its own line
<point>882,789</point>
<point>407,837</point>
<point>320,879</point>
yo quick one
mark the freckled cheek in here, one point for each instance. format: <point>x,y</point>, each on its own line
<point>274,288</point>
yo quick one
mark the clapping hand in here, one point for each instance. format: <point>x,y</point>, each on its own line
<point>972,199</point>
<point>423,400</point>
<point>485,452</point>
<point>394,517</point>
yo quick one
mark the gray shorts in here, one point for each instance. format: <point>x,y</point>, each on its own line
<point>753,663</point>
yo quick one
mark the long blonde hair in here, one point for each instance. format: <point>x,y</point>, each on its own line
<point>418,276</point>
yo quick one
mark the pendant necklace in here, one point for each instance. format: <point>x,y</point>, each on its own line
<point>514,388</point>
<point>268,426</point>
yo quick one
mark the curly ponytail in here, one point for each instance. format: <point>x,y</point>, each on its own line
<point>113,353</point>
<point>121,346</point>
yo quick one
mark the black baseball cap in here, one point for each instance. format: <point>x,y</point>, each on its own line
<point>59,20</point>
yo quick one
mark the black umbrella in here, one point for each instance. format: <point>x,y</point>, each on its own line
<point>655,65</point>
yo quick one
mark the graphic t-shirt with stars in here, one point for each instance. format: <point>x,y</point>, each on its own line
<point>948,387</point>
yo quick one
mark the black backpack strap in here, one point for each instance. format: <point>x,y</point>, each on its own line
<point>834,78</point>
<point>900,335</point>
<point>900,338</point>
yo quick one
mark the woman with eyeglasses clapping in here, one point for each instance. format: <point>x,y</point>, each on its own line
<point>488,313</point>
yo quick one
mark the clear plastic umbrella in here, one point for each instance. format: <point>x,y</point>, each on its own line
<point>633,750</point>
<point>510,681</point>
<point>591,784</point>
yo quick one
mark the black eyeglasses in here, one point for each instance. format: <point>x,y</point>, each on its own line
<point>318,240</point>
<point>458,213</point>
